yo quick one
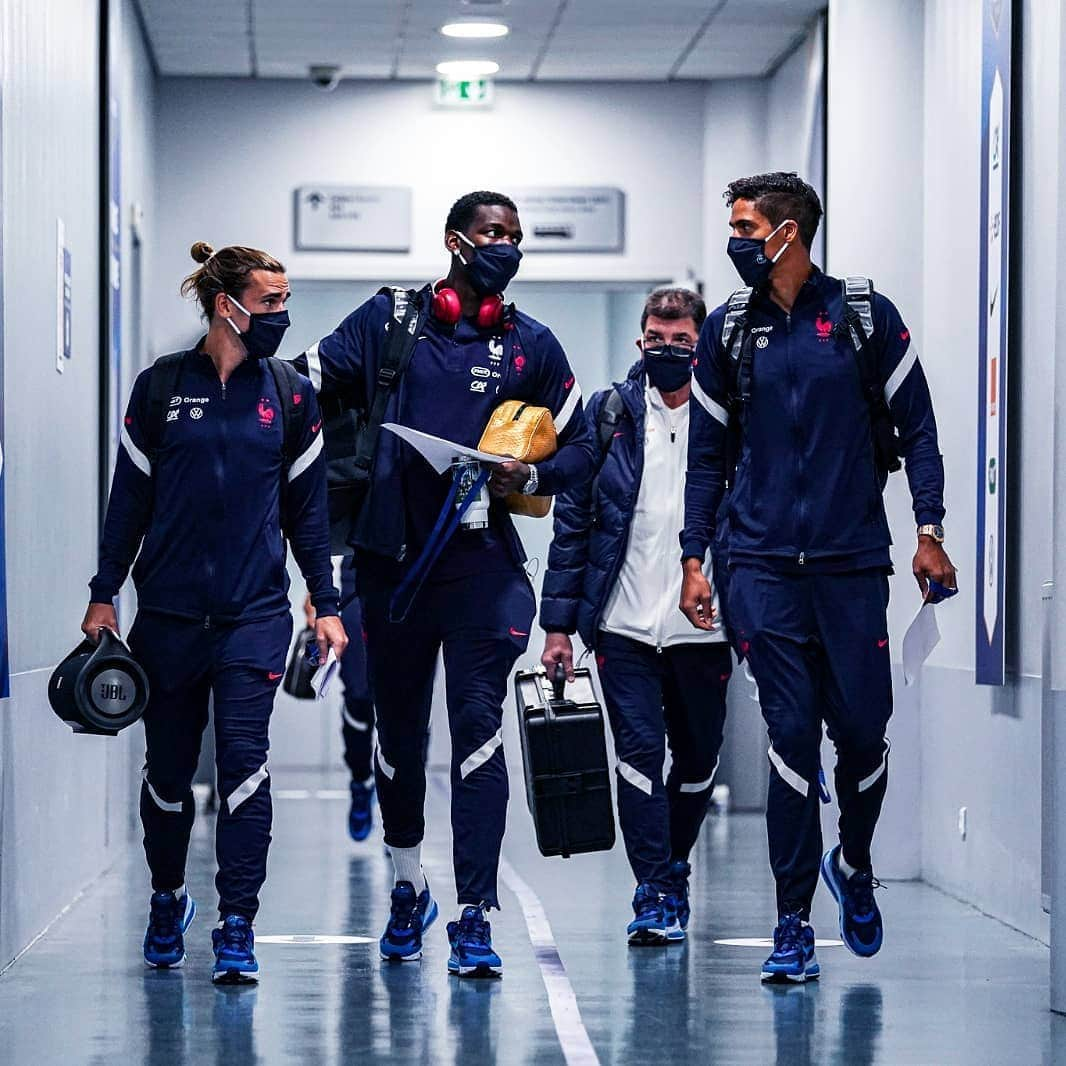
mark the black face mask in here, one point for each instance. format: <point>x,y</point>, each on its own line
<point>749,257</point>
<point>263,336</point>
<point>492,266</point>
<point>668,367</point>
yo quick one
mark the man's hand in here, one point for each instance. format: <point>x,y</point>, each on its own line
<point>507,477</point>
<point>932,562</point>
<point>697,599</point>
<point>329,633</point>
<point>558,648</point>
<point>309,612</point>
<point>99,616</point>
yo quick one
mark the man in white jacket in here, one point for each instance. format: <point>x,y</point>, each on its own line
<point>612,577</point>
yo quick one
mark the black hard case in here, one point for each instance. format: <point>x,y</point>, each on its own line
<point>564,754</point>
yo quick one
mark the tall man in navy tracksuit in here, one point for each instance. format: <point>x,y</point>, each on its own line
<point>809,542</point>
<point>613,578</point>
<point>207,488</point>
<point>472,354</point>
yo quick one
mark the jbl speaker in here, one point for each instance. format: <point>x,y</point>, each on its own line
<point>99,688</point>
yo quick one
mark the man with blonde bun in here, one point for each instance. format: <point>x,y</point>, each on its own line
<point>220,464</point>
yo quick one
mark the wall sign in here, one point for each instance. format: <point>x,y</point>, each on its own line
<point>64,305</point>
<point>571,218</point>
<point>992,398</point>
<point>465,93</point>
<point>5,678</point>
<point>353,218</point>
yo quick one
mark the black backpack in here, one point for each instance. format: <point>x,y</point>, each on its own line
<point>164,388</point>
<point>607,422</point>
<point>857,325</point>
<point>351,436</point>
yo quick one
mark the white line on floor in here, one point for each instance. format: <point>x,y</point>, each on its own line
<point>767,942</point>
<point>304,939</point>
<point>574,1038</point>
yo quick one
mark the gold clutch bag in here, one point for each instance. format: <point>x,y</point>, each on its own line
<point>523,432</point>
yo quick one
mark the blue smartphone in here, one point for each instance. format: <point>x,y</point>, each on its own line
<point>938,593</point>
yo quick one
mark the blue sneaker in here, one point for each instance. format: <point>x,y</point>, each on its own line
<point>360,814</point>
<point>164,940</point>
<point>861,927</point>
<point>793,958</point>
<point>234,947</point>
<point>471,941</point>
<point>680,872</point>
<point>655,921</point>
<point>409,918</point>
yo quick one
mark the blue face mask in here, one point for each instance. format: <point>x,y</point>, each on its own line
<point>263,336</point>
<point>749,257</point>
<point>492,266</point>
<point>668,366</point>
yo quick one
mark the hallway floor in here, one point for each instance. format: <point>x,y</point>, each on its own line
<point>951,986</point>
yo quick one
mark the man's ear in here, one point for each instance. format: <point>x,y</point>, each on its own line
<point>224,306</point>
<point>451,241</point>
<point>639,342</point>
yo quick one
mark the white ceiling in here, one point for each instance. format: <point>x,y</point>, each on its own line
<point>550,40</point>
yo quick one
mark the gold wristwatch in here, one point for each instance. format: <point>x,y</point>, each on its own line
<point>934,531</point>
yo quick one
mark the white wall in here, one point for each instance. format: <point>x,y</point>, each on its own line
<point>874,209</point>
<point>906,211</point>
<point>66,802</point>
<point>227,174</point>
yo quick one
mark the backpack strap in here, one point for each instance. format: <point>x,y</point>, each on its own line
<point>610,415</point>
<point>401,337</point>
<point>736,318</point>
<point>293,413</point>
<point>162,388</point>
<point>857,294</point>
<point>736,344</point>
<point>858,323</point>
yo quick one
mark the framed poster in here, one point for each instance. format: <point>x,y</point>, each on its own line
<point>992,396</point>
<point>5,666</point>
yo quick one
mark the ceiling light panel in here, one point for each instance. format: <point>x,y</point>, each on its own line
<point>475,31</point>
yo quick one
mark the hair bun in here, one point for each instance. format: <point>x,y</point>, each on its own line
<point>201,251</point>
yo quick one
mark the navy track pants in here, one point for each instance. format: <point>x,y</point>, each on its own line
<point>482,624</point>
<point>675,697</point>
<point>357,707</point>
<point>241,666</point>
<point>818,649</point>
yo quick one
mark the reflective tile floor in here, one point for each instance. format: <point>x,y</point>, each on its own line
<point>951,986</point>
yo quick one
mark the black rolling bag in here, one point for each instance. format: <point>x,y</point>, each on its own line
<point>564,754</point>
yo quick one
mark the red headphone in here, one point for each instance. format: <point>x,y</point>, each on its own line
<point>448,308</point>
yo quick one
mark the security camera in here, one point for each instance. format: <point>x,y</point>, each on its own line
<point>325,77</point>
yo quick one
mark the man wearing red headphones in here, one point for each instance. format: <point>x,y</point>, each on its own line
<point>476,604</point>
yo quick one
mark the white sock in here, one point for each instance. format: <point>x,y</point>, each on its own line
<point>369,782</point>
<point>179,893</point>
<point>407,863</point>
<point>845,869</point>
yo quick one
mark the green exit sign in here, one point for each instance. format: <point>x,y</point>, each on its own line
<point>469,92</point>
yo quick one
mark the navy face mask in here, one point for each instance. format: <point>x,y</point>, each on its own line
<point>668,367</point>
<point>492,266</point>
<point>263,336</point>
<point>749,257</point>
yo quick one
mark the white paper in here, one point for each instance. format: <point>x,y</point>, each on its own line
<point>440,453</point>
<point>320,682</point>
<point>922,636</point>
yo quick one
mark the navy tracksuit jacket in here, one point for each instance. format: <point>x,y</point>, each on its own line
<point>675,694</point>
<point>809,551</point>
<point>206,516</point>
<point>477,604</point>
